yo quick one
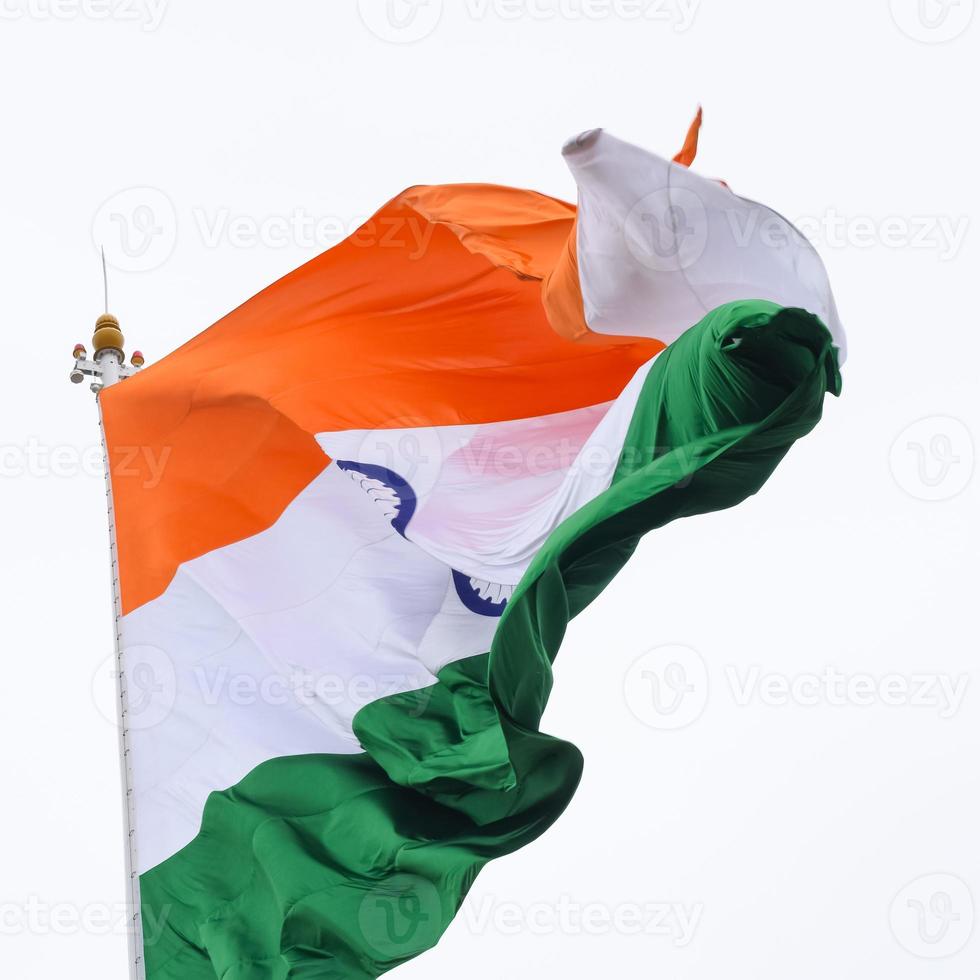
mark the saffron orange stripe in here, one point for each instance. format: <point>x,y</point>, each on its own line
<point>399,325</point>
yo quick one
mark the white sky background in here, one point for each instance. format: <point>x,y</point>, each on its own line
<point>779,835</point>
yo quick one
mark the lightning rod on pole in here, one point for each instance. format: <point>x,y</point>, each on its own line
<point>108,362</point>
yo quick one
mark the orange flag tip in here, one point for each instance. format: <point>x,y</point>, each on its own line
<point>690,148</point>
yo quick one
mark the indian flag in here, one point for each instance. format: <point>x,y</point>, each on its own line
<point>366,505</point>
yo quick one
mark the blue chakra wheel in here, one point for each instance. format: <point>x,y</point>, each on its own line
<point>397,500</point>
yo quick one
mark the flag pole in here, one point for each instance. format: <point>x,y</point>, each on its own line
<point>107,366</point>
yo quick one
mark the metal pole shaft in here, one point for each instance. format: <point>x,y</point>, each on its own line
<point>135,930</point>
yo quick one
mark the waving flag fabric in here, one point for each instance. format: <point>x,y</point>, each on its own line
<point>368,502</point>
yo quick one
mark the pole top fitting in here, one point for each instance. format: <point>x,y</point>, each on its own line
<point>107,364</point>
<point>107,335</point>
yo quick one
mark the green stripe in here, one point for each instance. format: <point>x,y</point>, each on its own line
<point>346,866</point>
